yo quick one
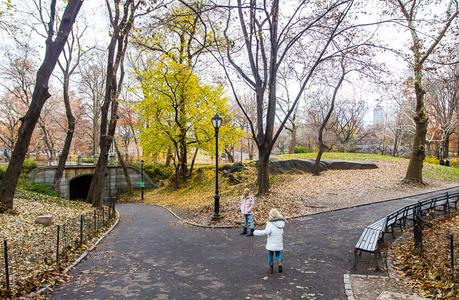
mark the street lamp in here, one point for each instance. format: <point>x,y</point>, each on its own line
<point>216,122</point>
<point>142,183</point>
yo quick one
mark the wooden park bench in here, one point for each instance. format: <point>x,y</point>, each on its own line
<point>372,237</point>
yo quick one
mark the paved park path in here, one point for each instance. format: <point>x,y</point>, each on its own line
<point>150,255</point>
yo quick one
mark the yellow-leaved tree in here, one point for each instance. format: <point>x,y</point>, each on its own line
<point>176,114</point>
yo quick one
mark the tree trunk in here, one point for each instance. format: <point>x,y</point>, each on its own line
<point>192,161</point>
<point>263,171</point>
<point>395,148</point>
<point>168,157</point>
<point>414,171</point>
<point>68,137</point>
<point>446,145</point>
<point>182,160</point>
<point>229,155</point>
<point>39,97</point>
<point>291,147</point>
<point>125,170</point>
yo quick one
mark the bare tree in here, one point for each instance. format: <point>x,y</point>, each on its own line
<point>71,56</point>
<point>422,47</point>
<point>55,42</point>
<point>92,86</point>
<point>347,123</point>
<point>336,88</point>
<point>268,38</point>
<point>122,17</point>
<point>441,99</point>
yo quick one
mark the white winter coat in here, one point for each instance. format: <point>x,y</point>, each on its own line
<point>275,231</point>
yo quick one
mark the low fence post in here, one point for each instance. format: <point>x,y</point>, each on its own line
<point>417,229</point>
<point>57,244</point>
<point>81,230</point>
<point>7,270</point>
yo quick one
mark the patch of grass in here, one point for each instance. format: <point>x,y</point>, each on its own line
<point>431,170</point>
<point>342,156</point>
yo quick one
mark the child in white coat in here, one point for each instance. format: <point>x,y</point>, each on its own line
<point>274,244</point>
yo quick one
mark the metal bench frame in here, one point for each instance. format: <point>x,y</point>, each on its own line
<point>372,237</point>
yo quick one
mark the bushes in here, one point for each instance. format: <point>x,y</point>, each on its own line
<point>157,171</point>
<point>41,188</point>
<point>431,160</point>
<point>301,149</point>
<point>29,165</point>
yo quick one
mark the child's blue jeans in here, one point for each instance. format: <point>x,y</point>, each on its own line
<point>271,256</point>
<point>248,220</point>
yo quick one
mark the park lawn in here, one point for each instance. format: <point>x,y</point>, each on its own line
<point>431,171</point>
<point>430,272</point>
<point>28,243</point>
<point>300,194</point>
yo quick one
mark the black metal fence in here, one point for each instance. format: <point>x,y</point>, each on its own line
<point>24,259</point>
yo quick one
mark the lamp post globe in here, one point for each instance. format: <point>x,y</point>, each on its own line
<point>216,123</point>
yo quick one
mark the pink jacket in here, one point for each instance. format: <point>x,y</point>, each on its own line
<point>247,204</point>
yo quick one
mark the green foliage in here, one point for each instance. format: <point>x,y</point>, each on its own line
<point>177,110</point>
<point>301,149</point>
<point>431,160</point>
<point>454,162</point>
<point>88,160</point>
<point>2,172</point>
<point>29,165</point>
<point>41,188</point>
<point>157,171</point>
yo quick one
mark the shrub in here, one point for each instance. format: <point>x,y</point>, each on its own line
<point>88,160</point>
<point>431,160</point>
<point>29,165</point>
<point>454,162</point>
<point>301,149</point>
<point>157,171</point>
<point>41,188</point>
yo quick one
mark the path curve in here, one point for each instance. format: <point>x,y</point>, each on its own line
<point>151,255</point>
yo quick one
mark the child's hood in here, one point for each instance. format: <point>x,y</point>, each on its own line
<point>279,223</point>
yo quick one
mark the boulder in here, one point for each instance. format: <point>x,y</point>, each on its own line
<point>44,220</point>
<point>307,165</point>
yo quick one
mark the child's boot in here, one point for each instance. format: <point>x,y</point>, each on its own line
<point>271,269</point>
<point>244,231</point>
<point>251,232</point>
<point>280,267</point>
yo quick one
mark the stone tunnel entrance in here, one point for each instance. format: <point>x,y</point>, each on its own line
<point>79,187</point>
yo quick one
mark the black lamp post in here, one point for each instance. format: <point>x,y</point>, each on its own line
<point>142,183</point>
<point>216,122</point>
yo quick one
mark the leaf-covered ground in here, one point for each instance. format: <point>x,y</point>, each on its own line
<point>430,273</point>
<point>32,247</point>
<point>298,194</point>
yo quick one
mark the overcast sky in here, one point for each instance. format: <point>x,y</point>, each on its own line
<point>94,12</point>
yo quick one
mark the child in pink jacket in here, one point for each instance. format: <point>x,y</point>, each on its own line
<point>247,205</point>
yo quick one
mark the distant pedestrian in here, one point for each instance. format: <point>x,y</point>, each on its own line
<point>247,206</point>
<point>274,244</point>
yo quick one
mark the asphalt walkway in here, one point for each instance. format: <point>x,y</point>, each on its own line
<point>150,255</point>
